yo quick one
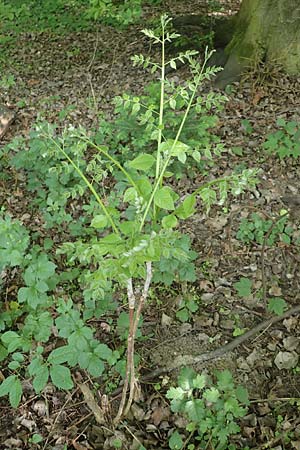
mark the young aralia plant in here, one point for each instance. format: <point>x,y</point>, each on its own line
<point>136,224</point>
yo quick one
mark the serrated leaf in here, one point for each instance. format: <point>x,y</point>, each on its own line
<point>242,395</point>
<point>163,198</point>
<point>61,354</point>
<point>6,385</point>
<point>99,221</point>
<point>199,382</point>
<point>142,162</point>
<point>61,377</point>
<point>103,351</point>
<point>183,315</point>
<point>211,395</point>
<point>40,379</point>
<point>95,366</point>
<point>175,393</point>
<point>243,287</point>
<point>186,378</point>
<point>277,305</point>
<point>15,393</point>
<point>175,441</point>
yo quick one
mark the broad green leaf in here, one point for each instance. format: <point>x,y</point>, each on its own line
<point>61,354</point>
<point>277,305</point>
<point>83,359</point>
<point>163,198</point>
<point>182,315</point>
<point>172,103</point>
<point>144,186</point>
<point>3,353</point>
<point>95,366</point>
<point>7,385</point>
<point>225,379</point>
<point>175,441</point>
<point>169,221</point>
<point>15,393</point>
<point>243,287</point>
<point>99,221</point>
<point>61,377</point>
<point>130,195</point>
<point>242,395</point>
<point>103,352</point>
<point>41,378</point>
<point>14,365</point>
<point>142,162</point>
<point>9,336</point>
<point>187,207</point>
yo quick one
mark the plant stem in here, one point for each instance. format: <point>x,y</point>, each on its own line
<point>113,160</point>
<point>89,185</point>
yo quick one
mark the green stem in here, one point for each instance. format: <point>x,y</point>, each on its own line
<point>89,185</point>
<point>161,175</point>
<point>161,106</point>
<point>114,161</point>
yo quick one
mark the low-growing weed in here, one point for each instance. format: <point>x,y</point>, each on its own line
<point>255,230</point>
<point>286,141</point>
<point>119,14</point>
<point>276,305</point>
<point>212,407</point>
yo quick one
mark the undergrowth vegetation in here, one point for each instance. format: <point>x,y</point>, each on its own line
<point>109,213</point>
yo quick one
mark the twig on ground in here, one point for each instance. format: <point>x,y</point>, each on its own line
<point>187,360</point>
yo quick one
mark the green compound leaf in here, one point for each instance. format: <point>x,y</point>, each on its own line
<point>61,377</point>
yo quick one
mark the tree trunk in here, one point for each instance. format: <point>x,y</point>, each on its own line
<point>265,30</point>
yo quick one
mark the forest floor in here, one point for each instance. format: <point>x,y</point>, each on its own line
<point>78,74</point>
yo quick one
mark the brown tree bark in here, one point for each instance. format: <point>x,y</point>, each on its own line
<point>268,30</point>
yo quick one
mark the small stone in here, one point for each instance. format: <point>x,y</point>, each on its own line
<point>166,321</point>
<point>286,360</point>
<point>227,324</point>
<point>291,343</point>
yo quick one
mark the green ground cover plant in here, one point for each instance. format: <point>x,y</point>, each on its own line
<point>132,212</point>
<point>211,406</point>
<point>286,141</point>
<point>53,15</point>
<point>255,230</point>
<point>118,13</point>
